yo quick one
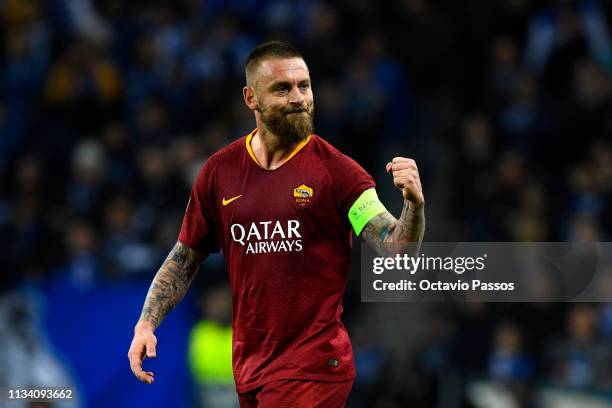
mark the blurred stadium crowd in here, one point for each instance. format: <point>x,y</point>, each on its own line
<point>109,108</point>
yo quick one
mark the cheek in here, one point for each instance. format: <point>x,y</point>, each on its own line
<point>275,106</point>
<point>261,103</point>
<point>309,98</point>
<point>277,103</point>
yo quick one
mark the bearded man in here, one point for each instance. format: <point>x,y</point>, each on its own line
<point>281,203</point>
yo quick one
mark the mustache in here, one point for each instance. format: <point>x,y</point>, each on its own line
<point>296,110</point>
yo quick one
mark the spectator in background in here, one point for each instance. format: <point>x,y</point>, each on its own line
<point>508,375</point>
<point>511,170</point>
<point>26,44</point>
<point>581,360</point>
<point>508,363</point>
<point>83,266</point>
<point>529,222</point>
<point>83,73</point>
<point>477,155</point>
<point>83,86</point>
<point>504,70</point>
<point>26,357</point>
<point>143,79</point>
<point>585,204</point>
<point>87,184</point>
<point>126,251</point>
<point>606,321</point>
<point>436,363</point>
<point>27,48</point>
<point>151,125</point>
<point>119,156</point>
<point>562,31</point>
<point>210,351</point>
<point>369,362</point>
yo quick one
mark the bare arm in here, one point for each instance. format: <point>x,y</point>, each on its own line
<point>166,291</point>
<point>170,284</point>
<point>389,236</point>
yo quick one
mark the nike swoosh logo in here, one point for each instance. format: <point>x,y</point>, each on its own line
<point>226,202</point>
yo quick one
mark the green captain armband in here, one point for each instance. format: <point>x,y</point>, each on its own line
<point>366,207</point>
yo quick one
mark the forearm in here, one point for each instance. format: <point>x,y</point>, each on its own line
<point>169,285</point>
<point>409,228</point>
<point>390,236</point>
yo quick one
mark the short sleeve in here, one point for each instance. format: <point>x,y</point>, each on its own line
<point>198,228</point>
<point>350,180</point>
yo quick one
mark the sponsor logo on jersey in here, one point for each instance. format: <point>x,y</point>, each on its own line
<point>268,236</point>
<point>302,195</point>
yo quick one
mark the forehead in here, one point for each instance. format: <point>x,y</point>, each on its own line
<point>282,69</point>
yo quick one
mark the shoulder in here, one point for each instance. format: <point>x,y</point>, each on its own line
<point>325,150</point>
<point>331,156</point>
<point>323,146</point>
<point>348,178</point>
<point>231,151</point>
<point>228,155</point>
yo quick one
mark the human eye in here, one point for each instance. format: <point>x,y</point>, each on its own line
<point>282,89</point>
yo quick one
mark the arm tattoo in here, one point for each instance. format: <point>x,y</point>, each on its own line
<point>389,236</point>
<point>170,283</point>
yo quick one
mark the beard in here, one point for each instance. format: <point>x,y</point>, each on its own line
<point>289,124</point>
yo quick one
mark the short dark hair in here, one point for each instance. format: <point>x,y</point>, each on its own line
<point>268,50</point>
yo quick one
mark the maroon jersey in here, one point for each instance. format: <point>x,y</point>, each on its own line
<point>286,238</point>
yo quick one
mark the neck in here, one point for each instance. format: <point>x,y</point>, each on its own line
<point>269,149</point>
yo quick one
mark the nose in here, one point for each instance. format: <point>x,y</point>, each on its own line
<point>296,97</point>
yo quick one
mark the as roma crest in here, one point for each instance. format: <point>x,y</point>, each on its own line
<point>302,195</point>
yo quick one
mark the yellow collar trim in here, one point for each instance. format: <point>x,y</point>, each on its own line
<point>293,153</point>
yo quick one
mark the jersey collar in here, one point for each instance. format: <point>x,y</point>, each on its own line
<point>293,153</point>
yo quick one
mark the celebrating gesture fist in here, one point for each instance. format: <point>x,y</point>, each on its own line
<point>406,178</point>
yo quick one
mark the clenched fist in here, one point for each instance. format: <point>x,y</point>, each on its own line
<point>406,178</point>
<point>143,343</point>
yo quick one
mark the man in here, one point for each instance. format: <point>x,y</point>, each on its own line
<point>280,203</point>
